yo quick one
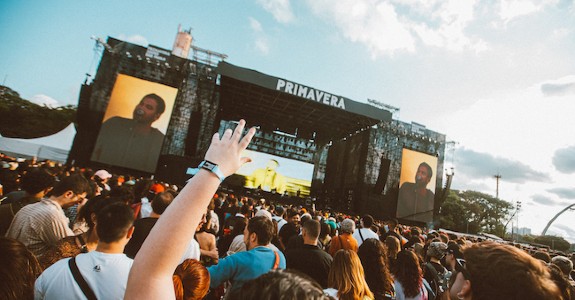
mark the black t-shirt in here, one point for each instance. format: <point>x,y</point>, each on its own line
<point>142,228</point>
<point>310,260</point>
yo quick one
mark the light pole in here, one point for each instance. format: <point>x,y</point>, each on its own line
<point>518,205</point>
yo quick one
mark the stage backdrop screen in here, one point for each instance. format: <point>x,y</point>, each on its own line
<point>417,186</point>
<point>270,172</point>
<point>134,124</point>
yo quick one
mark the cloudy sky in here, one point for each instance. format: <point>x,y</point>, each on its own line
<point>497,77</point>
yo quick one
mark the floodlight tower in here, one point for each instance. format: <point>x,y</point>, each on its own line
<point>497,177</point>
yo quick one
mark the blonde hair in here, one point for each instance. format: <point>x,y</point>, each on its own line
<point>347,276</point>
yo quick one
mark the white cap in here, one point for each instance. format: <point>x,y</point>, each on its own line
<point>103,174</point>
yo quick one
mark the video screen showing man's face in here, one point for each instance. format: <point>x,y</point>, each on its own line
<point>136,119</point>
<point>417,186</point>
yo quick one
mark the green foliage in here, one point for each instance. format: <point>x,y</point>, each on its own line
<point>24,119</point>
<point>474,212</point>
<point>555,242</point>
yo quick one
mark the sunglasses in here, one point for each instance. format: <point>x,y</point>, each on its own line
<point>460,267</point>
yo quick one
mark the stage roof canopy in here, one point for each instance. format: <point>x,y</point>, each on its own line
<point>276,103</point>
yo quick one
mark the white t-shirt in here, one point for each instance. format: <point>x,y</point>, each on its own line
<point>366,233</point>
<point>237,245</point>
<point>193,251</point>
<point>105,273</point>
<point>146,209</point>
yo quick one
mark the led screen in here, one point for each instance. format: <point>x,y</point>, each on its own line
<point>417,186</point>
<point>134,124</point>
<point>274,173</point>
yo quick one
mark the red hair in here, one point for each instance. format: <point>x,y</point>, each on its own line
<point>191,280</point>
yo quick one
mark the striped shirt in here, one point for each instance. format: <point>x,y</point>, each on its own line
<point>39,226</point>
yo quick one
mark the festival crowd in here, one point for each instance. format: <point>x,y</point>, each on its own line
<point>71,233</point>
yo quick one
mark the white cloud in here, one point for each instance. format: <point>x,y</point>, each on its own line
<point>280,9</point>
<point>386,27</point>
<point>134,39</point>
<point>42,99</point>
<point>261,41</point>
<point>510,10</point>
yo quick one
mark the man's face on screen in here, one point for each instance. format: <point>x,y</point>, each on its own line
<point>422,176</point>
<point>146,111</point>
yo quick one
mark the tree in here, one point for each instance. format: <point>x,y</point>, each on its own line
<point>24,119</point>
<point>555,242</point>
<point>474,212</point>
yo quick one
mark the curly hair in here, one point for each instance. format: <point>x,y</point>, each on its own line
<point>373,257</point>
<point>347,276</point>
<point>191,280</point>
<point>498,271</point>
<point>408,272</point>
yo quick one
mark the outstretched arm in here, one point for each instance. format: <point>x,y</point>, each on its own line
<point>151,273</point>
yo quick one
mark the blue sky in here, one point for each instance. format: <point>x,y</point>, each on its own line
<point>498,77</point>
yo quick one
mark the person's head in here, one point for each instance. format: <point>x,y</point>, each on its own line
<point>38,182</point>
<point>102,176</point>
<point>19,270</point>
<point>497,271</point>
<point>561,281</point>
<point>543,256</point>
<point>272,165</point>
<point>437,250</point>
<point>374,261</point>
<point>408,272</point>
<point>347,226</point>
<point>161,202</point>
<point>293,216</point>
<point>310,231</point>
<point>347,276</point>
<point>366,221</point>
<point>423,175</point>
<point>191,280</point>
<point>90,210</point>
<point>280,211</point>
<point>564,263</point>
<point>453,253</point>
<point>114,223</point>
<point>149,109</point>
<point>393,246</point>
<point>71,190</point>
<point>392,223</point>
<point>280,285</point>
<point>259,232</point>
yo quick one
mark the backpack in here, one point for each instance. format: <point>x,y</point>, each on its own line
<point>439,282</point>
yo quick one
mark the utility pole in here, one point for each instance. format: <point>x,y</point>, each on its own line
<point>497,177</point>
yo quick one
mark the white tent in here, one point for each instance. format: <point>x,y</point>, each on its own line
<point>53,147</point>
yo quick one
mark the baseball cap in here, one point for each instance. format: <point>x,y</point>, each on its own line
<point>103,174</point>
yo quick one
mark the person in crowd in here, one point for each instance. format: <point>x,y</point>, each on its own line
<point>43,224</point>
<point>141,195</point>
<point>408,276</point>
<point>279,217</point>
<point>237,233</point>
<point>365,232</point>
<point>310,259</point>
<point>434,272</point>
<point>566,267</point>
<point>345,239</point>
<point>453,253</point>
<point>497,271</point>
<point>567,291</point>
<point>325,236</point>
<point>35,186</point>
<point>393,247</point>
<point>257,260</point>
<point>191,280</point>
<point>392,228</point>
<point>213,218</point>
<point>132,143</point>
<point>143,226</point>
<point>207,242</point>
<point>19,270</point>
<point>374,261</point>
<point>346,279</point>
<point>280,285</point>
<point>105,270</point>
<point>82,242</point>
<point>542,256</point>
<point>101,177</point>
<point>291,228</point>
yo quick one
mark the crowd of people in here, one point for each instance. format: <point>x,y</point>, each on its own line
<point>70,233</point>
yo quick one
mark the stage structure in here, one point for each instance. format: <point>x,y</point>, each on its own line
<point>344,154</point>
